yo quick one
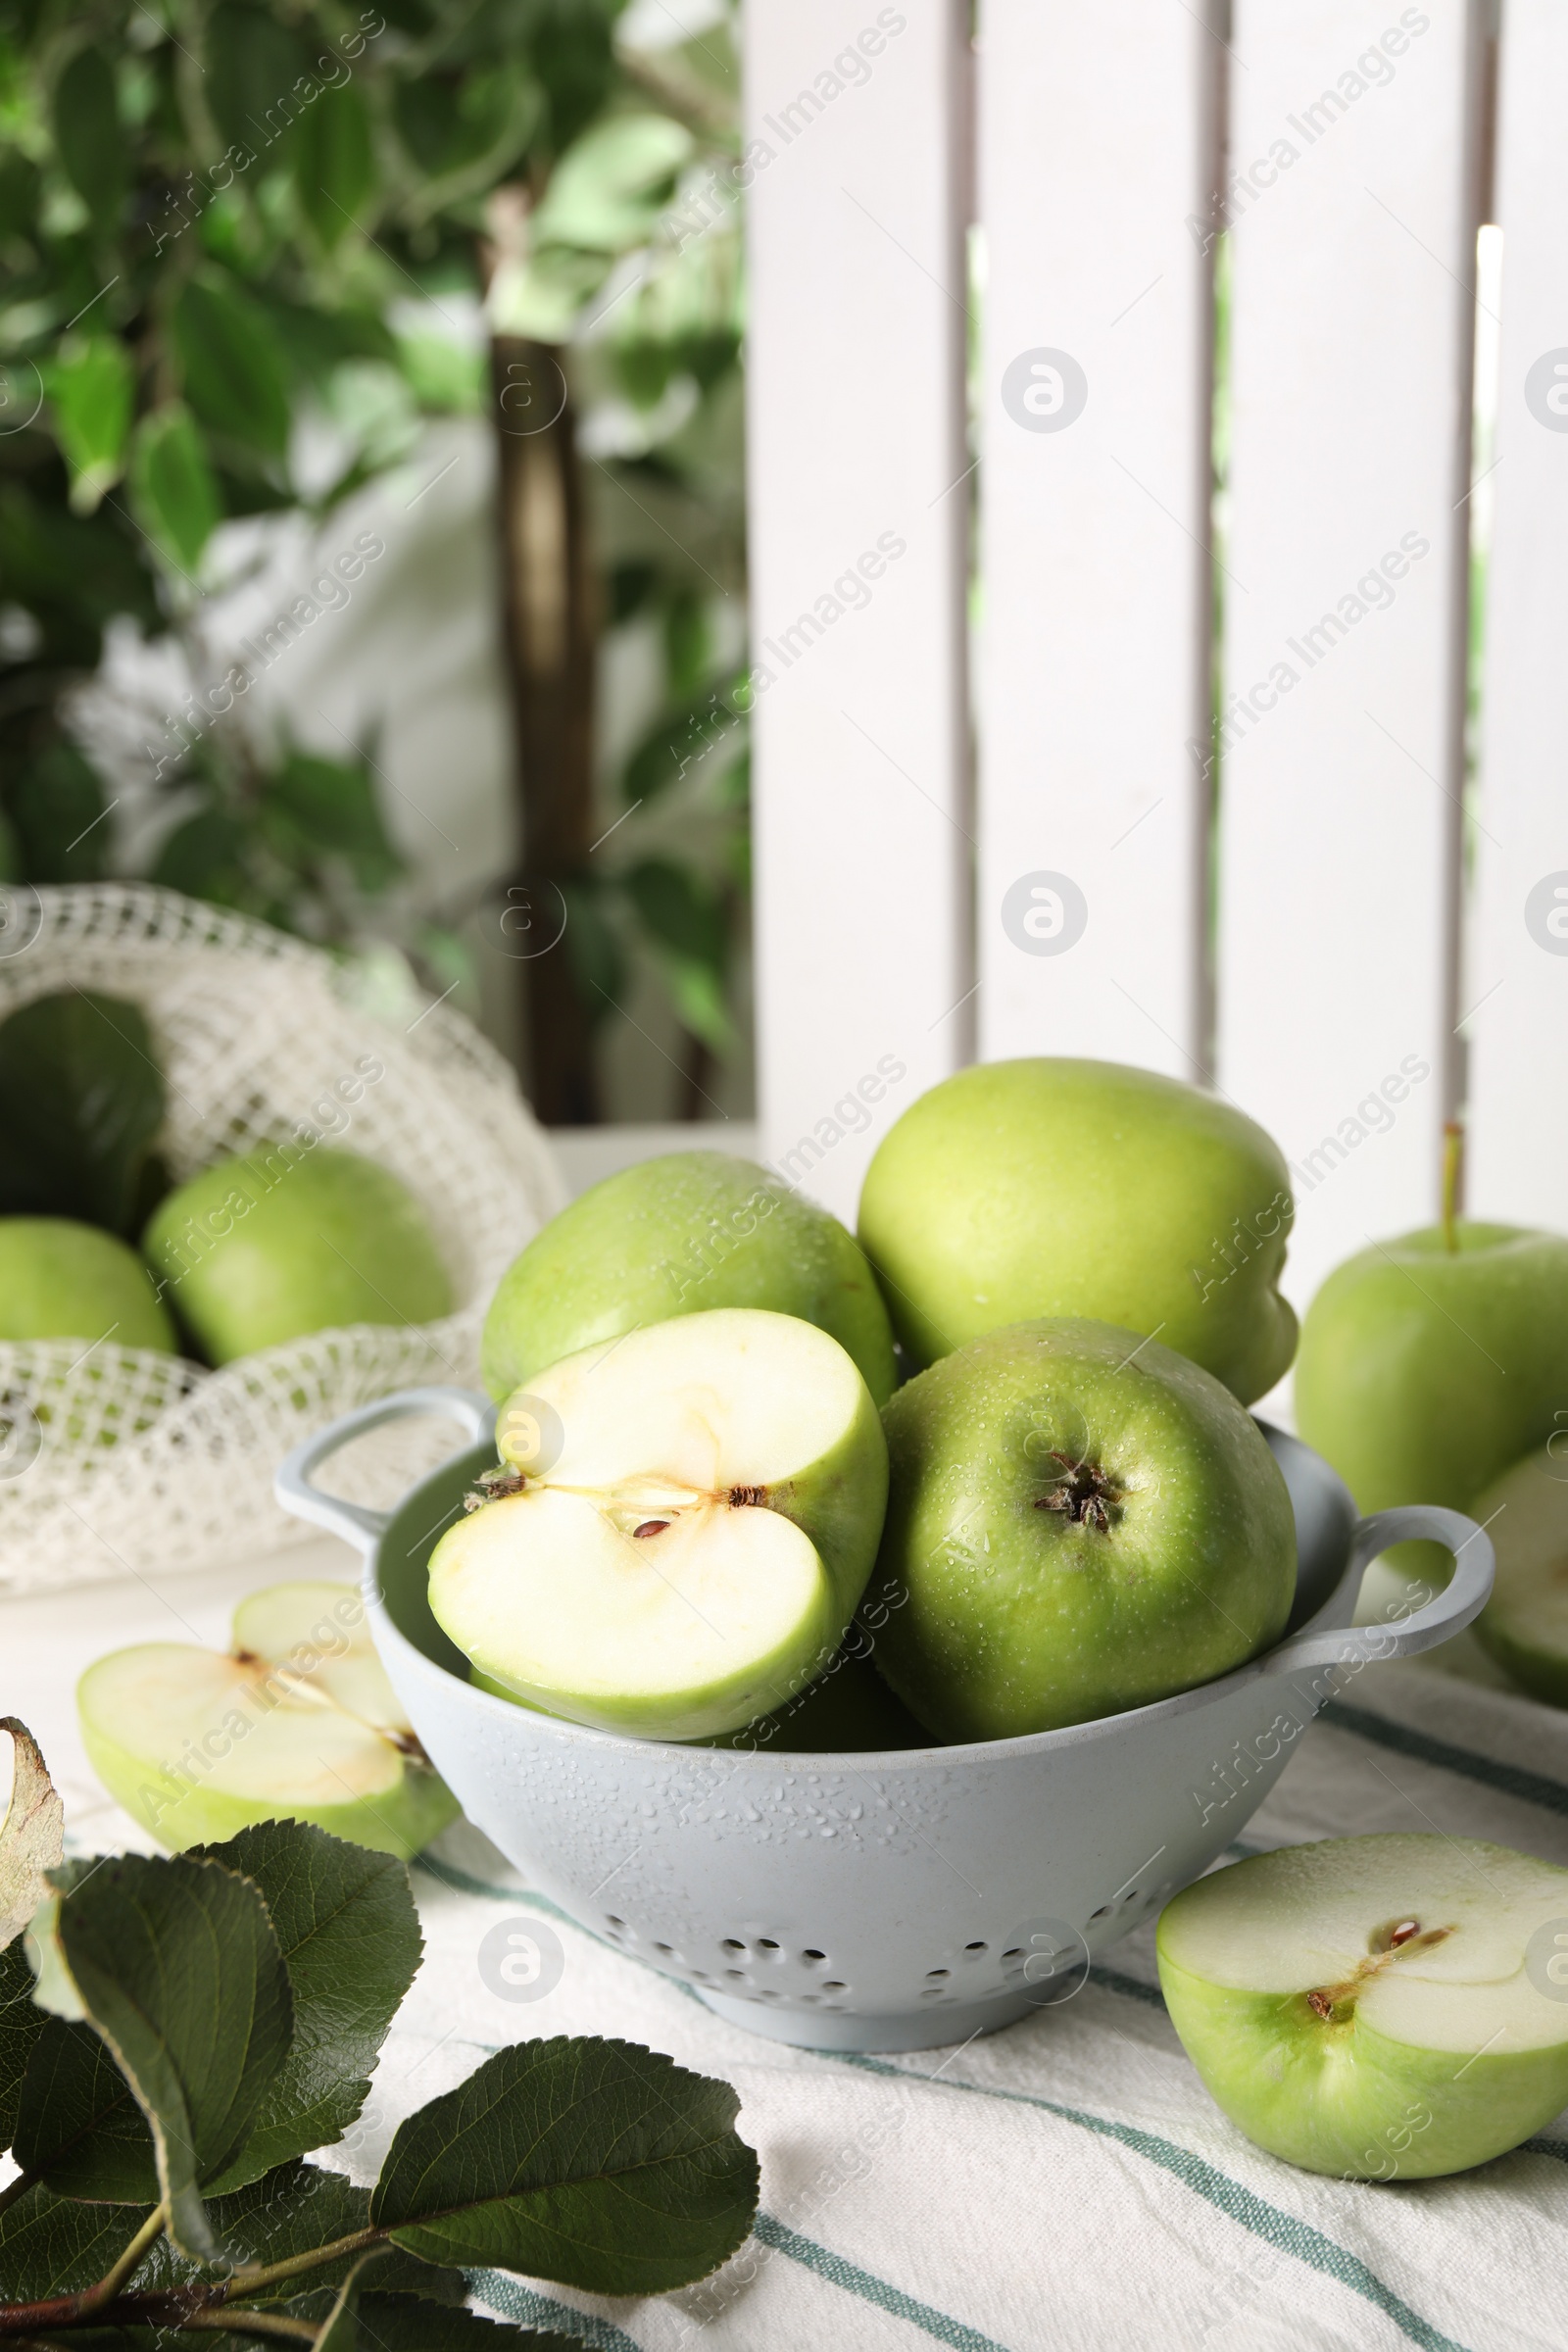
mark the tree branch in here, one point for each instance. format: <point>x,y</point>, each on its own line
<point>108,2286</point>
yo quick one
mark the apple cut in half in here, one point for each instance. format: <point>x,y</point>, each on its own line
<point>1525,1624</point>
<point>295,1722</point>
<point>1384,2008</point>
<point>687,1550</point>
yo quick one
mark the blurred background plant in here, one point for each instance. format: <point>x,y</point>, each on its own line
<point>249,251</point>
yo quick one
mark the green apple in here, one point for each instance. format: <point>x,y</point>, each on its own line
<point>63,1281</point>
<point>1383,2008</point>
<point>1020,1189</point>
<point>1078,1522</point>
<point>66,1280</point>
<point>1525,1624</point>
<point>686,1551</point>
<point>295,1722</point>
<point>1424,1370</point>
<point>682,1235</point>
<point>285,1241</point>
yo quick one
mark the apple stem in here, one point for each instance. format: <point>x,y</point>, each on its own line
<point>1452,1164</point>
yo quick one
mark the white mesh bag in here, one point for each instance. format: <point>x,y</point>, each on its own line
<point>120,1461</point>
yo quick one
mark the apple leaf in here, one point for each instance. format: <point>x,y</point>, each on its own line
<point>598,2163</point>
<point>346,1925</point>
<point>31,1835</point>
<point>78,2125</point>
<point>173,489</point>
<point>82,1098</point>
<point>408,2324</point>
<point>88,136</point>
<point>289,2213</point>
<point>341,2331</point>
<point>176,1964</point>
<point>53,2245</point>
<point>22,2021</point>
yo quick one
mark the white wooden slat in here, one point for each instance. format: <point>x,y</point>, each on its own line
<point>855,424</point>
<point>1352,129</point>
<point>1518,972</point>
<point>1096,159</point>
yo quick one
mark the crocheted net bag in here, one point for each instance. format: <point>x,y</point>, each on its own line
<point>120,1461</point>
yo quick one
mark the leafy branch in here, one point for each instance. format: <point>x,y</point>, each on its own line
<point>177,2034</point>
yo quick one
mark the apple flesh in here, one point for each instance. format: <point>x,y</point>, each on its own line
<point>60,1280</point>
<point>689,1553</point>
<point>295,1722</point>
<point>1382,2008</point>
<point>1524,1626</point>
<point>1026,1188</point>
<point>282,1242</point>
<point>1424,1372</point>
<point>1078,1522</point>
<point>681,1235</point>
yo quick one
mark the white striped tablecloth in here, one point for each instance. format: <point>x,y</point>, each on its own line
<point>1064,2187</point>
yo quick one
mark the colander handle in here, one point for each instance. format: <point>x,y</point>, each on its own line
<point>355,1522</point>
<point>1400,1636</point>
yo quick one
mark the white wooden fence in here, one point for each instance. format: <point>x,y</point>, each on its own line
<point>1322,952</point>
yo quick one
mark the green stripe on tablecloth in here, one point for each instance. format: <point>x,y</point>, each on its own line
<point>1282,2230</point>
<point>855,2282</point>
<point>530,2309</point>
<point>1131,1988</point>
<point>1509,1780</point>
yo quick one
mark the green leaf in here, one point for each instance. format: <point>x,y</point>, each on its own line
<point>349,1933</point>
<point>78,2125</point>
<point>177,1965</point>
<point>174,492</point>
<point>679,909</point>
<point>611,185</point>
<point>82,1098</point>
<point>89,137</point>
<point>22,2021</point>
<point>674,743</point>
<point>91,388</point>
<point>56,803</point>
<point>701,1003</point>
<point>334,163</point>
<point>233,376</point>
<point>598,961</point>
<point>326,807</point>
<point>292,2212</point>
<point>597,2163</point>
<point>341,2331</point>
<point>205,858</point>
<point>32,1834</point>
<point>253,63</point>
<point>53,2245</point>
<point>408,2323</point>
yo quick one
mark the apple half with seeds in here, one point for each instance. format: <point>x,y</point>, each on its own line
<point>1383,2008</point>
<point>687,1552</point>
<point>295,1722</point>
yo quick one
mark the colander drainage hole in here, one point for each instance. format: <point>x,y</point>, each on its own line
<point>733,1943</point>
<point>810,1955</point>
<point>739,1972</point>
<point>765,1944</point>
<point>939,1972</point>
<point>1103,1913</point>
<point>1015,1953</point>
<point>669,1950</point>
<point>975,1947</point>
<point>832,1984</point>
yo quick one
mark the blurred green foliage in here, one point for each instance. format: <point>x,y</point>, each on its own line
<point>222,221</point>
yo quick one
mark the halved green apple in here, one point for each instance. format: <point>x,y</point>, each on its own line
<point>692,1553</point>
<point>1525,1624</point>
<point>1383,2008</point>
<point>295,1722</point>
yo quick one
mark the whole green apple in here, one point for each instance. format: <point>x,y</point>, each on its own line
<point>283,1241</point>
<point>681,1235</point>
<point>295,1722</point>
<point>686,1553</point>
<point>1524,1626</point>
<point>1425,1371</point>
<point>1384,2008</point>
<point>63,1281</point>
<point>1020,1189</point>
<point>1078,1522</point>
